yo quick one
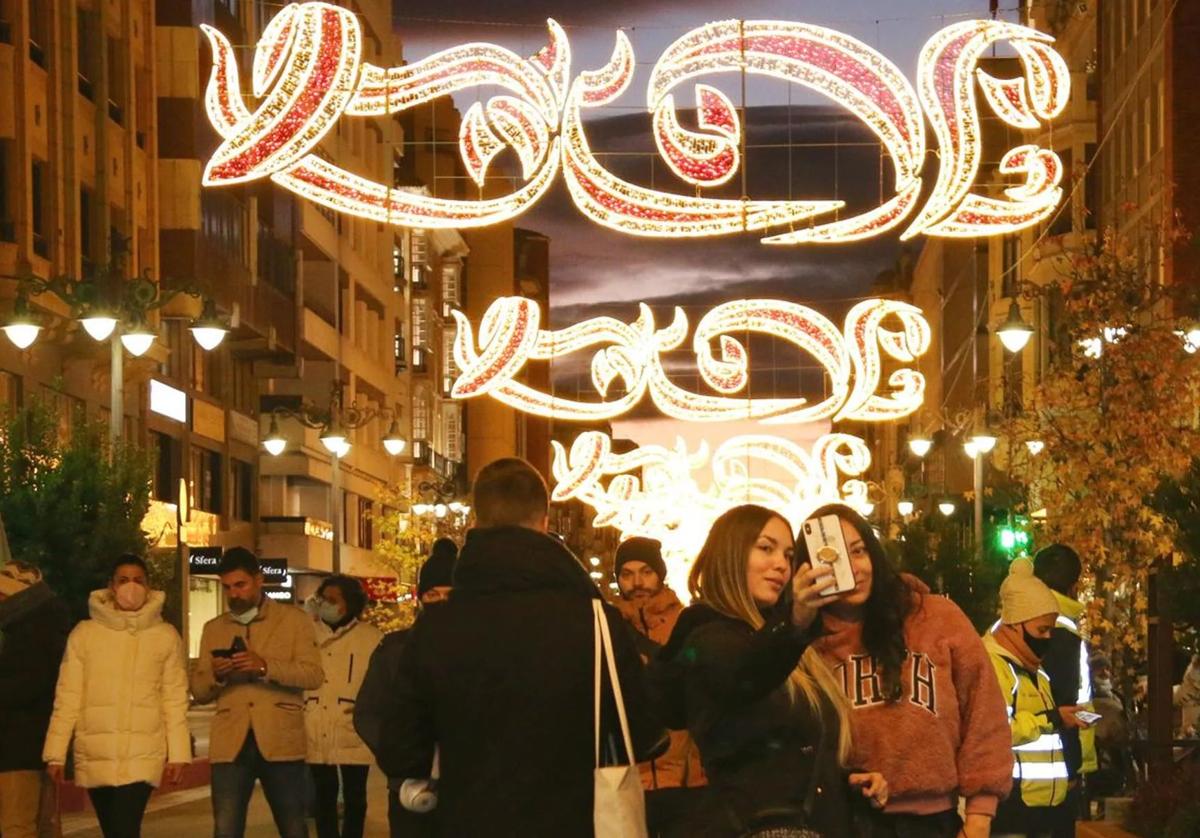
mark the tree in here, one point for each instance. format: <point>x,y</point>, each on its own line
<point>68,506</point>
<point>1117,412</point>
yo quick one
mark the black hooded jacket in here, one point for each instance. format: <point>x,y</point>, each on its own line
<point>500,679</point>
<point>769,758</point>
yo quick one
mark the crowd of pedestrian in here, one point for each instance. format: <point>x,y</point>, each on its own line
<point>521,703</point>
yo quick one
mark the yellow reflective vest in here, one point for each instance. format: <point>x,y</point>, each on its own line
<point>1069,612</point>
<point>1039,764</point>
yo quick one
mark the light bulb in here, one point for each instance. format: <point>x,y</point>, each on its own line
<point>595,560</point>
<point>421,508</point>
<point>971,448</point>
<point>394,445</point>
<point>456,506</point>
<point>333,439</point>
<point>905,508</point>
<point>99,326</point>
<point>920,445</point>
<point>946,507</point>
<point>275,445</point>
<point>1035,446</point>
<point>209,337</point>
<point>22,334</point>
<point>595,574</point>
<point>984,442</point>
<point>1015,332</point>
<point>343,450</point>
<point>440,510</point>
<point>1192,339</point>
<point>138,341</point>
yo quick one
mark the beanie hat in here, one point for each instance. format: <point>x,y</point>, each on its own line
<point>648,551</point>
<point>1023,596</point>
<point>15,577</point>
<point>438,570</point>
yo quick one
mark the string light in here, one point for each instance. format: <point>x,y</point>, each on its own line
<point>1035,446</point>
<point>510,336</point>
<point>653,491</point>
<point>308,72</point>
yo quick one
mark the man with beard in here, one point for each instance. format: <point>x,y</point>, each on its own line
<point>256,660</point>
<point>652,608</point>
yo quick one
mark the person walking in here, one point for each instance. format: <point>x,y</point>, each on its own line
<point>1028,613</point>
<point>740,673</point>
<point>499,679</point>
<point>34,624</point>
<point>256,660</point>
<point>122,700</point>
<point>1066,664</point>
<point>334,748</point>
<point>651,608</point>
<point>925,705</point>
<point>434,584</point>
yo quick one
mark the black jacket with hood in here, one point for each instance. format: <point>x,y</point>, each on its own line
<point>500,679</point>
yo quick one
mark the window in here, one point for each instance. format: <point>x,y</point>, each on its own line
<point>1010,276</point>
<point>117,82</point>
<point>451,287</point>
<point>418,258</point>
<point>39,185</point>
<point>243,491</point>
<point>39,31</point>
<point>366,524</point>
<point>206,480</point>
<point>68,411</point>
<point>453,430</point>
<point>206,369</point>
<point>420,320</point>
<point>420,416</point>
<point>1090,178</point>
<point>7,157</point>
<point>86,230</point>
<point>398,349</point>
<point>86,58</point>
<point>450,370</point>
<point>166,468</point>
<point>397,270</point>
<point>10,392</point>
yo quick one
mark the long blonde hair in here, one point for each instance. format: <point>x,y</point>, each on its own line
<point>718,579</point>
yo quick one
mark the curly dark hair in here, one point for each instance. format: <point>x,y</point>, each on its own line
<point>891,603</point>
<point>352,592</point>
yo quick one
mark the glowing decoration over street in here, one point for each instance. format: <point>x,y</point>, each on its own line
<point>308,72</point>
<point>653,491</point>
<point>509,336</point>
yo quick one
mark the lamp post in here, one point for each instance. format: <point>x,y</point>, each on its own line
<point>334,422</point>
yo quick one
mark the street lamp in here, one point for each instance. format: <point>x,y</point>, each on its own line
<point>983,440</point>
<point>275,442</point>
<point>1035,446</point>
<point>946,507</point>
<point>98,324</point>
<point>334,439</point>
<point>393,441</point>
<point>920,444</point>
<point>905,507</point>
<point>22,329</point>
<point>1014,333</point>
<point>208,329</point>
<point>138,339</point>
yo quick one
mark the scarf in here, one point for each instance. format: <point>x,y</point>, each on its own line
<point>1013,639</point>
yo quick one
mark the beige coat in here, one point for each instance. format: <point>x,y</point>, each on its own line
<point>329,710</point>
<point>122,694</point>
<point>273,707</point>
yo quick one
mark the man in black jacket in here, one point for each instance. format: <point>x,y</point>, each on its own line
<point>374,703</point>
<point>500,678</point>
<point>34,624</point>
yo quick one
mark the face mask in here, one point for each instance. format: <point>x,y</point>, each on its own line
<point>246,617</point>
<point>131,596</point>
<point>330,614</point>
<point>1104,685</point>
<point>1038,645</point>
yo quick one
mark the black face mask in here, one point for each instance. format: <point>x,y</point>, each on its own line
<point>1038,645</point>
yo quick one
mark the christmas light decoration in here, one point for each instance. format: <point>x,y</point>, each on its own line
<point>1035,446</point>
<point>510,336</point>
<point>308,72</point>
<point>653,491</point>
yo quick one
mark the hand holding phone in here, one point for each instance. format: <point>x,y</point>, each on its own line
<point>1087,717</point>
<point>827,547</point>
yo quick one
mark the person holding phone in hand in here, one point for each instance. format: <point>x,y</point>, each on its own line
<point>256,660</point>
<point>122,695</point>
<point>740,673</point>
<point>925,705</point>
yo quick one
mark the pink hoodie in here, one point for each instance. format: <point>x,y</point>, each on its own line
<point>948,734</point>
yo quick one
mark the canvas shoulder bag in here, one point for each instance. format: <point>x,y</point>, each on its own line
<point>619,810</point>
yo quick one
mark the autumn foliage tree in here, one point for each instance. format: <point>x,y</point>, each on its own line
<point>1117,412</point>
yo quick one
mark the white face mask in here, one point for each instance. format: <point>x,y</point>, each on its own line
<point>246,617</point>
<point>131,596</point>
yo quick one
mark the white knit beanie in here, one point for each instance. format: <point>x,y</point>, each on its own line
<point>1023,596</point>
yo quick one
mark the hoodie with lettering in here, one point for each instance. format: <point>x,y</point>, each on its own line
<point>947,736</point>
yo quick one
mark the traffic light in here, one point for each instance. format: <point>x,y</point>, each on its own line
<point>1014,537</point>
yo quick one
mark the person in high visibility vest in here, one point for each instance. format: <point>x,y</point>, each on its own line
<point>1067,665</point>
<point>1028,613</point>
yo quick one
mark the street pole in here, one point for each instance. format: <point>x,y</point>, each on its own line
<point>116,414</point>
<point>978,458</point>
<point>336,488</point>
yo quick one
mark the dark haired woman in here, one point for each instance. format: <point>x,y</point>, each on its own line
<point>122,695</point>
<point>762,707</point>
<point>346,644</point>
<point>924,702</point>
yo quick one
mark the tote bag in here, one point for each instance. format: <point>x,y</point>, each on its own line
<point>620,804</point>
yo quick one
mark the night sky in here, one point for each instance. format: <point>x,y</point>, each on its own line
<point>818,151</point>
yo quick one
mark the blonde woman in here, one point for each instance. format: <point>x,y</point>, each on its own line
<point>740,675</point>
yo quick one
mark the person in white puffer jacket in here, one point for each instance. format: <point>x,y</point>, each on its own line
<point>346,644</point>
<point>122,692</point>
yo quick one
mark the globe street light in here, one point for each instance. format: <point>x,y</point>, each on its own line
<point>920,445</point>
<point>905,508</point>
<point>946,507</point>
<point>1014,333</point>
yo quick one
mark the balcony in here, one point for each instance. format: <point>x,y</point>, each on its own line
<point>306,542</point>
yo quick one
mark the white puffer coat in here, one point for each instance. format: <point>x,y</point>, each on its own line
<point>329,711</point>
<point>122,691</point>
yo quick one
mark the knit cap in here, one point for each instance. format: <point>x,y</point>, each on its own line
<point>438,570</point>
<point>15,577</point>
<point>1023,596</point>
<point>648,551</point>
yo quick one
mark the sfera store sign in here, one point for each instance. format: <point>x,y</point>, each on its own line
<point>203,561</point>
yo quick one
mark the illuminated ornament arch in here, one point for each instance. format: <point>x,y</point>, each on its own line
<point>510,336</point>
<point>308,72</point>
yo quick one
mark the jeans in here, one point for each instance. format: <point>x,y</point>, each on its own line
<point>1014,818</point>
<point>20,798</point>
<point>938,825</point>
<point>120,808</point>
<point>233,783</point>
<point>354,797</point>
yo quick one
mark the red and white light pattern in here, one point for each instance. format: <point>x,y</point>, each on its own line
<point>653,491</point>
<point>308,72</point>
<point>510,336</point>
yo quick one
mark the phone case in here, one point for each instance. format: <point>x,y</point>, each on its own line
<point>823,537</point>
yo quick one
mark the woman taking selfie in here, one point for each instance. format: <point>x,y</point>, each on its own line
<point>739,674</point>
<point>924,702</point>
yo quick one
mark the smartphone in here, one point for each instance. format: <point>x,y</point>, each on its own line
<point>823,537</point>
<point>1087,717</point>
<point>222,653</point>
